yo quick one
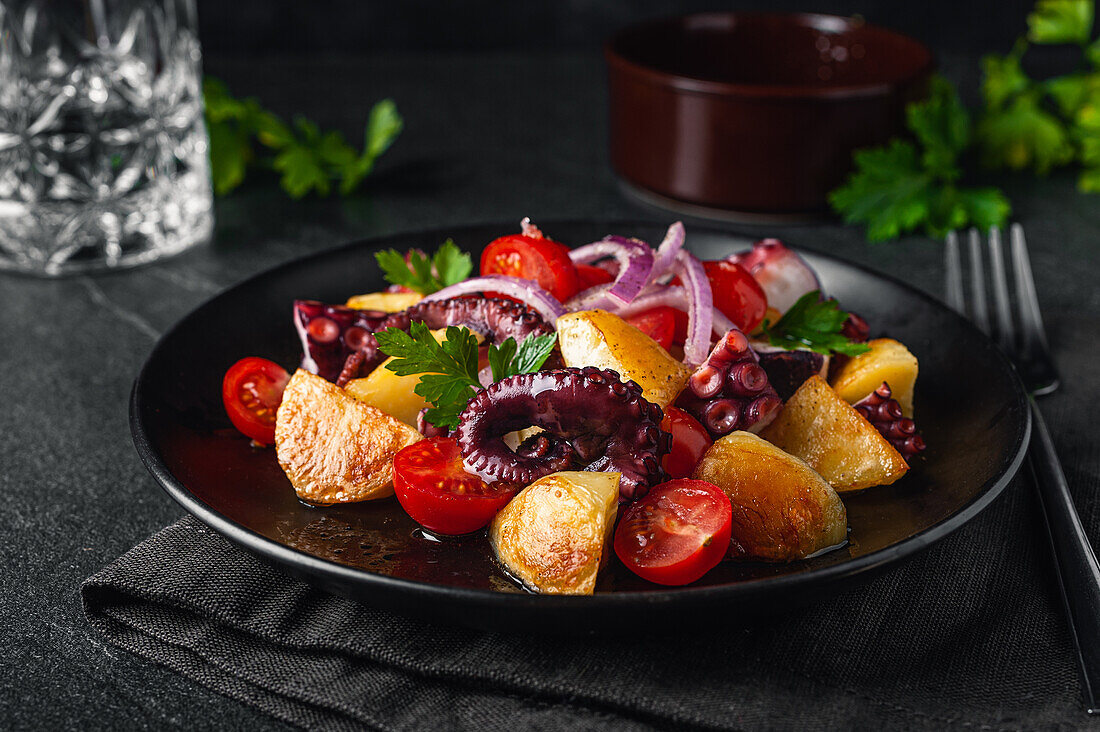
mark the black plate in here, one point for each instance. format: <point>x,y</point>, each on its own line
<point>970,405</point>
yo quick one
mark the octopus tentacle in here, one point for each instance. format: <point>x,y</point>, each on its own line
<point>493,317</point>
<point>883,411</point>
<point>331,333</point>
<point>339,343</point>
<point>591,420</point>
<point>730,390</point>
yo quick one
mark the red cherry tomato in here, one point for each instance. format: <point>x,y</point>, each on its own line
<point>436,491</point>
<point>677,533</point>
<point>658,323</point>
<point>540,260</point>
<point>252,390</point>
<point>689,441</point>
<point>679,336</point>
<point>737,294</point>
<point>590,276</point>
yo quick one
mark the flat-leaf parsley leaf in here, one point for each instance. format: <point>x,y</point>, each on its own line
<point>815,324</point>
<point>449,368</point>
<point>449,265</point>
<point>899,187</point>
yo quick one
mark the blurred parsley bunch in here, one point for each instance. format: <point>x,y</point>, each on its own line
<point>1024,124</point>
<point>241,132</point>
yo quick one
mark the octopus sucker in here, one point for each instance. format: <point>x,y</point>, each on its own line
<point>591,420</point>
<point>883,411</point>
<point>730,390</point>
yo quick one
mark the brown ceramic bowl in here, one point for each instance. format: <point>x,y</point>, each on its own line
<point>755,112</point>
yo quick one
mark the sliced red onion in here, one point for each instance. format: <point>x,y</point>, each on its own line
<point>673,296</point>
<point>590,299</point>
<point>635,265</point>
<point>782,274</point>
<point>700,307</point>
<point>530,293</point>
<point>666,253</point>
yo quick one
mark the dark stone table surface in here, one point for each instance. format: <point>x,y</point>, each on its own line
<point>487,138</point>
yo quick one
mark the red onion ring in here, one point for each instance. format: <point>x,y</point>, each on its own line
<point>635,265</point>
<point>673,296</point>
<point>531,294</point>
<point>700,307</point>
<point>667,251</point>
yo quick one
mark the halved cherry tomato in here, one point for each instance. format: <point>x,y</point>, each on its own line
<point>541,260</point>
<point>590,275</point>
<point>689,441</point>
<point>737,294</point>
<point>439,494</point>
<point>677,533</point>
<point>252,390</point>
<point>658,323</point>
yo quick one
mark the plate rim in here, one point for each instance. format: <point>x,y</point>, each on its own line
<point>335,572</point>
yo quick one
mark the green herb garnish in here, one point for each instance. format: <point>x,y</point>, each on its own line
<point>813,323</point>
<point>900,187</point>
<point>1043,124</point>
<point>307,158</point>
<point>449,369</point>
<point>449,265</point>
<point>1023,124</point>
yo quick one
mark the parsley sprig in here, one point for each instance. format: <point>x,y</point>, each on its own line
<point>905,185</point>
<point>241,132</point>
<point>449,368</point>
<point>449,265</point>
<point>1023,124</point>
<point>814,323</point>
<point>1043,124</point>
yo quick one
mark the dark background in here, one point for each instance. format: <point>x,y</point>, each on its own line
<point>362,26</point>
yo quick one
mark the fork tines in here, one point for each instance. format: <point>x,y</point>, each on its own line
<point>1023,338</point>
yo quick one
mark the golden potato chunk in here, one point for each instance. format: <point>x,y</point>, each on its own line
<point>889,361</point>
<point>834,439</point>
<point>334,448</point>
<point>555,534</point>
<point>602,339</point>
<point>387,302</point>
<point>782,509</point>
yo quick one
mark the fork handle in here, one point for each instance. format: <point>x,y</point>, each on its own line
<point>1077,569</point>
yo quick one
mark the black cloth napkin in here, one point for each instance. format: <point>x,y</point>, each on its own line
<point>968,634</point>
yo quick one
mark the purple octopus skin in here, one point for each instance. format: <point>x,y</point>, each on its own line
<point>591,420</point>
<point>883,411</point>
<point>339,343</point>
<point>730,390</point>
<point>331,333</point>
<point>426,428</point>
<point>854,329</point>
<point>787,370</point>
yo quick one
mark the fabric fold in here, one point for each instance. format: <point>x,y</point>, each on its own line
<point>941,638</point>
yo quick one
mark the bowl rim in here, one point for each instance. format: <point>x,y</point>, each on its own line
<point>692,84</point>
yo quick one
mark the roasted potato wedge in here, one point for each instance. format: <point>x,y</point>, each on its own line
<point>555,534</point>
<point>782,509</point>
<point>602,339</point>
<point>387,302</point>
<point>889,361</point>
<point>333,447</point>
<point>822,429</point>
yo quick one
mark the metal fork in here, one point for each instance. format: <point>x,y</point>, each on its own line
<point>1077,568</point>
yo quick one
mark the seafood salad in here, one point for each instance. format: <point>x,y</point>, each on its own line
<point>577,406</point>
